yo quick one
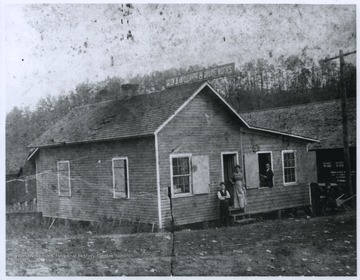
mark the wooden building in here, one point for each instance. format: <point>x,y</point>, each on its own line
<point>21,189</point>
<point>320,120</point>
<point>161,156</point>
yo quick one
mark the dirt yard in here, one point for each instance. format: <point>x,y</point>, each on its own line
<point>320,246</point>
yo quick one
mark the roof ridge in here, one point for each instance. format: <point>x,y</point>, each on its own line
<point>109,101</point>
<point>141,113</point>
<point>137,95</point>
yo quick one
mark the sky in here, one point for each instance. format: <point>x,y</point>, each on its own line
<point>51,48</point>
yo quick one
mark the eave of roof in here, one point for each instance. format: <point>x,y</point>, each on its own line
<point>161,125</point>
<point>93,141</point>
<point>285,134</point>
<point>235,113</point>
<point>132,117</point>
<point>319,120</point>
<point>32,153</point>
<point>262,129</point>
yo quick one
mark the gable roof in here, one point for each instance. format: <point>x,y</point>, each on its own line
<point>136,116</point>
<point>320,120</point>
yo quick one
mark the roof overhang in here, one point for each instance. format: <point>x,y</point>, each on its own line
<point>285,134</point>
<point>58,144</point>
<point>234,112</point>
<point>205,84</point>
<point>32,154</point>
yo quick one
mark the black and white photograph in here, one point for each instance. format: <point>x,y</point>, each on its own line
<point>179,139</point>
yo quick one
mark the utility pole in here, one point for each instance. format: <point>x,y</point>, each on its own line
<point>344,119</point>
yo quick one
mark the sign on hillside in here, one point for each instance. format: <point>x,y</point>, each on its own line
<point>201,75</point>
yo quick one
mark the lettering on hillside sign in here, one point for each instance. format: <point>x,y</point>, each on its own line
<point>201,75</point>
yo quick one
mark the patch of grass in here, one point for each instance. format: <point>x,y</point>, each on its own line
<point>37,227</point>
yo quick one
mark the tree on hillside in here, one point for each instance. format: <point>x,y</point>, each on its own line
<point>255,85</point>
<point>18,123</point>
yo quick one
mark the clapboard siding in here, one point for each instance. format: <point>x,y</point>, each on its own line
<point>280,196</point>
<point>264,200</point>
<point>203,127</point>
<point>305,161</point>
<point>92,181</point>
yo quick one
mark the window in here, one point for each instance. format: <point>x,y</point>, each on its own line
<point>64,185</point>
<point>120,178</point>
<point>289,165</point>
<point>180,174</point>
<point>266,177</point>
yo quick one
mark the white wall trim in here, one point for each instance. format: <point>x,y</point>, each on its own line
<point>127,175</point>
<point>68,164</point>
<point>222,162</point>
<point>257,128</point>
<point>158,188</point>
<point>188,155</point>
<point>271,155</point>
<point>180,108</point>
<point>32,154</point>
<point>271,164</point>
<point>283,167</point>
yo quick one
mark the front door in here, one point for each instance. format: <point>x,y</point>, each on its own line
<point>229,161</point>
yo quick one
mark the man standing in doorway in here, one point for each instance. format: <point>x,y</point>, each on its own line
<point>269,174</point>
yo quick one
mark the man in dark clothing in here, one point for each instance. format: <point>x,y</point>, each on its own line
<point>224,197</point>
<point>329,195</point>
<point>269,174</point>
<point>317,198</point>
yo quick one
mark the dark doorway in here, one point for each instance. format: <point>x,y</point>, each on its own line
<point>229,162</point>
<point>263,159</point>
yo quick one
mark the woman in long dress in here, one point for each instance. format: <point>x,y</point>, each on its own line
<point>240,200</point>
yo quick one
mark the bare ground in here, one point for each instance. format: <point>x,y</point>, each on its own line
<point>320,246</point>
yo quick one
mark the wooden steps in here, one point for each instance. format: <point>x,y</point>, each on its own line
<point>240,217</point>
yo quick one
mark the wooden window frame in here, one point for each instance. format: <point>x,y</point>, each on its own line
<point>283,167</point>
<point>69,174</point>
<point>190,193</point>
<point>271,164</point>
<point>127,195</point>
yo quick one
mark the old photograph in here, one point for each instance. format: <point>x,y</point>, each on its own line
<point>181,139</point>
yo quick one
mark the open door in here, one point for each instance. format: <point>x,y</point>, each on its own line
<point>229,160</point>
<point>252,171</point>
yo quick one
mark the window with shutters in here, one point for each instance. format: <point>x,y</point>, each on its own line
<point>64,184</point>
<point>180,174</point>
<point>190,175</point>
<point>120,178</point>
<point>289,167</point>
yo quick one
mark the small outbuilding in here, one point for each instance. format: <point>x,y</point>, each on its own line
<point>161,156</point>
